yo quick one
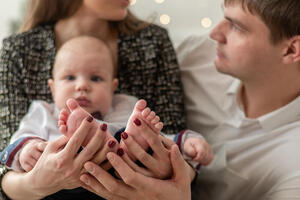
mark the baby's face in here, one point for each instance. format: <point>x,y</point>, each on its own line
<point>87,78</point>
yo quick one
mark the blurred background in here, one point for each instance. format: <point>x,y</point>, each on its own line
<point>181,17</point>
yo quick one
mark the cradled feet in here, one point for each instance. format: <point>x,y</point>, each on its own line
<point>69,122</point>
<point>142,114</point>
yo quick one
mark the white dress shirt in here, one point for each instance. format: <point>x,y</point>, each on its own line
<point>255,159</point>
<point>42,118</point>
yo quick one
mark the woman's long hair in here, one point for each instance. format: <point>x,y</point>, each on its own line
<point>50,11</point>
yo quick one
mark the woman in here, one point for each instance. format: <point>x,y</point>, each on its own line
<point>145,60</point>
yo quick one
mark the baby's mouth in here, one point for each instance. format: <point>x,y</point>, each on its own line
<point>83,101</point>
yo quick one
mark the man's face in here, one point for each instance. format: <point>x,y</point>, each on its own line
<point>244,49</point>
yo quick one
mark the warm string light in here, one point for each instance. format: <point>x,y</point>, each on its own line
<point>159,1</point>
<point>165,19</point>
<point>132,2</point>
<point>206,22</point>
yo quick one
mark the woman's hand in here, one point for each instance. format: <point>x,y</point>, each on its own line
<point>60,164</point>
<point>58,167</point>
<point>137,186</point>
<point>158,164</point>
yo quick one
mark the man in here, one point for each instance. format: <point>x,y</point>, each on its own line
<point>258,137</point>
<point>252,121</point>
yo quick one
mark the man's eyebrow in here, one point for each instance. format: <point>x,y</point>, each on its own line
<point>237,22</point>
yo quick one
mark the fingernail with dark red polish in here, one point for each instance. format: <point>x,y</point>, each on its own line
<point>120,152</point>
<point>90,119</point>
<point>103,127</point>
<point>137,122</point>
<point>124,135</point>
<point>111,144</point>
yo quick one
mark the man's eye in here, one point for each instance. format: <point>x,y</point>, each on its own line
<point>95,78</point>
<point>236,28</point>
<point>70,77</point>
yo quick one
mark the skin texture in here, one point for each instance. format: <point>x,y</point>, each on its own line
<point>199,150</point>
<point>83,72</point>
<point>245,51</point>
<point>135,185</point>
<point>59,166</point>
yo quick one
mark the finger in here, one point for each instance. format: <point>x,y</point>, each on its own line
<point>139,153</point>
<point>192,152</point>
<point>92,147</point>
<point>125,172</point>
<point>78,137</point>
<point>105,165</point>
<point>166,142</point>
<point>97,188</point>
<point>41,146</point>
<point>106,180</point>
<point>153,140</point>
<point>36,154</point>
<point>135,167</point>
<point>178,164</point>
<point>57,144</point>
<point>27,167</point>
<point>29,164</point>
<point>101,191</point>
<point>111,145</point>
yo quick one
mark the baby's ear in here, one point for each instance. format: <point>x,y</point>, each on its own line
<point>51,85</point>
<point>115,83</point>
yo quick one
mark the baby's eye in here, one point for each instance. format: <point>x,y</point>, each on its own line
<point>96,78</point>
<point>70,77</point>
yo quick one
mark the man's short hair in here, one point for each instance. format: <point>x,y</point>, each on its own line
<point>282,17</point>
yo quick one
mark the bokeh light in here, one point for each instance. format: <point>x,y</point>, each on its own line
<point>132,2</point>
<point>206,22</point>
<point>165,19</point>
<point>159,1</point>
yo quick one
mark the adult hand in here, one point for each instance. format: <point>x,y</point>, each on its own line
<point>111,145</point>
<point>137,186</point>
<point>60,164</point>
<point>158,164</point>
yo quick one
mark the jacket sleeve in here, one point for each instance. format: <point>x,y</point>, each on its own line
<point>169,76</point>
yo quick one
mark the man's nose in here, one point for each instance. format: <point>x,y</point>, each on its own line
<point>218,33</point>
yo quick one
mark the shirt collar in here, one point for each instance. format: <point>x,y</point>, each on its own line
<point>282,116</point>
<point>270,121</point>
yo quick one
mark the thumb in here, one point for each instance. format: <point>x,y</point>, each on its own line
<point>58,144</point>
<point>178,164</point>
<point>190,151</point>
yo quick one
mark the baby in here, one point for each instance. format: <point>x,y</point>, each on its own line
<point>83,86</point>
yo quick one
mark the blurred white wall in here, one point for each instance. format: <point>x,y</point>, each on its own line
<point>186,17</point>
<point>9,11</point>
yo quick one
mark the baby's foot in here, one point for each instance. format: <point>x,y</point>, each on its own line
<point>142,114</point>
<point>69,122</point>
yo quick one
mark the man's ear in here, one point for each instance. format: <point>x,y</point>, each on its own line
<point>115,83</point>
<point>292,50</point>
<point>51,85</point>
